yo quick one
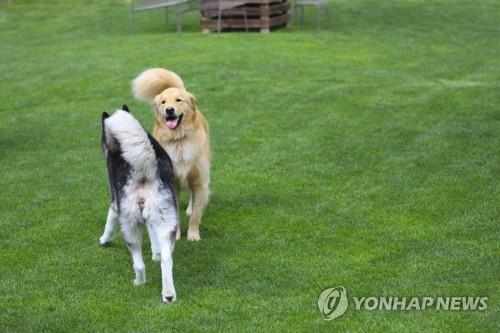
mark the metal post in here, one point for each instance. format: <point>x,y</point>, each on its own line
<point>246,19</point>
<point>318,18</point>
<point>219,16</point>
<point>178,19</point>
<point>328,16</point>
<point>132,17</point>
<point>166,18</point>
<point>302,15</point>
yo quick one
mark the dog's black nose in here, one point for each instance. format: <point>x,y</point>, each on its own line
<point>170,110</point>
<point>169,298</point>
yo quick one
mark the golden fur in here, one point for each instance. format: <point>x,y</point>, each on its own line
<point>153,81</point>
<point>187,144</point>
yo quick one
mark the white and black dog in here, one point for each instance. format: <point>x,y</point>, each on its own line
<point>141,181</point>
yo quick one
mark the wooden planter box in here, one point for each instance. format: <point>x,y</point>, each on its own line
<point>262,15</point>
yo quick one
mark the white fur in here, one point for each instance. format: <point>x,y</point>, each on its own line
<point>134,143</point>
<point>144,201</point>
<point>160,216</point>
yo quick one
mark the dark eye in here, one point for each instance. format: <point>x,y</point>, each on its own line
<point>178,99</point>
<point>162,102</point>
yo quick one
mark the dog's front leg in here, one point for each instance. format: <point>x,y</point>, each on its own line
<point>111,222</point>
<point>166,238</point>
<point>189,209</point>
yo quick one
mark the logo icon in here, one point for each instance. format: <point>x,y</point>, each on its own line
<point>332,302</point>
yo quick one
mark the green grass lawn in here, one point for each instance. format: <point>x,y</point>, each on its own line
<point>366,156</point>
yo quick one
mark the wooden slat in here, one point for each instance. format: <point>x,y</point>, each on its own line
<point>253,11</point>
<point>261,14</point>
<point>259,2</point>
<point>237,24</point>
<point>279,20</point>
<point>252,23</point>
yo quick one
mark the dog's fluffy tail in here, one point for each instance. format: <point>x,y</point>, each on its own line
<point>132,141</point>
<point>153,81</point>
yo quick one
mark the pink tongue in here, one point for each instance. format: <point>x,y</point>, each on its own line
<point>172,124</point>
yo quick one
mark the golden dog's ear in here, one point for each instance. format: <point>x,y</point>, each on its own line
<point>192,100</point>
<point>155,102</point>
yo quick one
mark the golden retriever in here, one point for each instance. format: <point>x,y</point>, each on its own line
<point>182,130</point>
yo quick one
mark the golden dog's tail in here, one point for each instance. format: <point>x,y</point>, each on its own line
<point>153,81</point>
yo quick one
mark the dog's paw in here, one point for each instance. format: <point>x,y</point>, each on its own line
<point>140,275</point>
<point>139,281</point>
<point>168,297</point>
<point>193,235</point>
<point>189,210</point>
<point>104,240</point>
<point>156,257</point>
<point>178,234</point>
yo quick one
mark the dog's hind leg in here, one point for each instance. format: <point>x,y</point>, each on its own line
<point>132,233</point>
<point>166,233</point>
<point>200,198</point>
<point>110,228</point>
<point>155,246</point>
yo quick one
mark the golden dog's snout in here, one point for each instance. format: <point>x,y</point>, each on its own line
<point>170,111</point>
